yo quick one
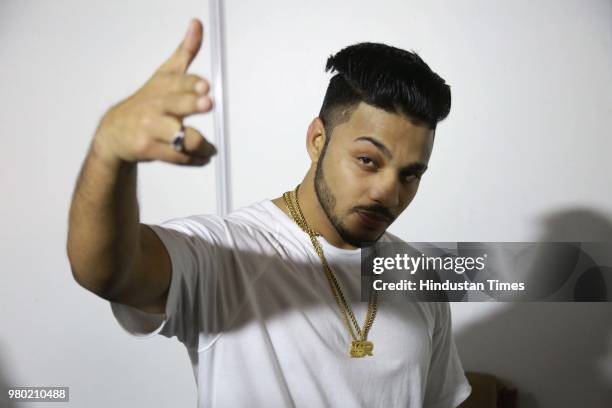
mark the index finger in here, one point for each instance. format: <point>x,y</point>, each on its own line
<point>182,57</point>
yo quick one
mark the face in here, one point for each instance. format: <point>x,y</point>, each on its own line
<point>370,171</point>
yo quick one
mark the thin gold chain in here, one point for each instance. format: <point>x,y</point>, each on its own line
<point>296,214</point>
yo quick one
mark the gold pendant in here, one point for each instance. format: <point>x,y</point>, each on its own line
<point>361,348</point>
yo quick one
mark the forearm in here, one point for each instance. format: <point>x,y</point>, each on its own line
<point>103,231</point>
<point>104,242</point>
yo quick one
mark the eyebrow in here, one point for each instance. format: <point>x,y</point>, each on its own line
<point>418,167</point>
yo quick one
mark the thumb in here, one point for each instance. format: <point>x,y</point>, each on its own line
<point>180,60</point>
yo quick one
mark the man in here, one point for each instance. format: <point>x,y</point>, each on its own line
<point>266,299</point>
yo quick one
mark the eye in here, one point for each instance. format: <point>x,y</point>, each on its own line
<point>365,160</point>
<point>412,177</point>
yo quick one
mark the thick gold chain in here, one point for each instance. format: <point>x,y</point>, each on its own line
<point>359,340</point>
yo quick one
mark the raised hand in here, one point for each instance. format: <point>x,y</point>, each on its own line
<point>141,128</point>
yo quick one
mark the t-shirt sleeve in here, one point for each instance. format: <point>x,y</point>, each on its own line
<point>192,248</point>
<point>447,385</point>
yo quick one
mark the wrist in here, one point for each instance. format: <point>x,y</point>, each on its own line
<point>101,152</point>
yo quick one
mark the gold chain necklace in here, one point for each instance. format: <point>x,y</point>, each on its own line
<point>360,346</point>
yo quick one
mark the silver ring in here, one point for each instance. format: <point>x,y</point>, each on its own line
<point>178,143</point>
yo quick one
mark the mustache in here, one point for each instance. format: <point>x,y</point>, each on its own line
<point>378,210</point>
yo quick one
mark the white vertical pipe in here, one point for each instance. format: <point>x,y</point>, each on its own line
<point>222,158</point>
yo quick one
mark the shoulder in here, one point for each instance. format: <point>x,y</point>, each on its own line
<point>251,220</point>
<point>256,215</point>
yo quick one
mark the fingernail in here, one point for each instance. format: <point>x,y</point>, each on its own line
<point>200,87</point>
<point>191,26</point>
<point>203,103</point>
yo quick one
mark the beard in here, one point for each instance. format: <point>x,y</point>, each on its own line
<point>327,199</point>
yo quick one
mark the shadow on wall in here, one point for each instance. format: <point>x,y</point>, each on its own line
<point>5,383</point>
<point>554,353</point>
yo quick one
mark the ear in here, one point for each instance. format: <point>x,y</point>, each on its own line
<point>315,139</point>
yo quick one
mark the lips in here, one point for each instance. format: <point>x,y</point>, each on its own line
<point>371,219</point>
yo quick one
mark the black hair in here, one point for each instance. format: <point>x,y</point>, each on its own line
<point>386,77</point>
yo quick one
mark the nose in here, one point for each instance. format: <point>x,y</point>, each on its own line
<point>386,190</point>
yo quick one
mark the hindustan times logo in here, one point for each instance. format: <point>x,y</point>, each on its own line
<point>484,271</point>
<point>458,264</point>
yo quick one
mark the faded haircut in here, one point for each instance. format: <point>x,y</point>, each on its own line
<point>385,77</point>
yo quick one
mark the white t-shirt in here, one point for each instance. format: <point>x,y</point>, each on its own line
<point>251,303</point>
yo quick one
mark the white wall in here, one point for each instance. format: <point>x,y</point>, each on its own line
<point>63,64</point>
<point>524,155</point>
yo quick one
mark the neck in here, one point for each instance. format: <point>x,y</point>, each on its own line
<point>314,213</point>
